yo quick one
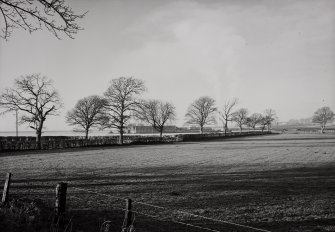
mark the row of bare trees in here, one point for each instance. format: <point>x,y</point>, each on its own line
<point>118,105</point>
<point>204,112</point>
<point>36,98</point>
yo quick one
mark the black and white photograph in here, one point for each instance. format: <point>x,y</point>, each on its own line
<point>167,116</point>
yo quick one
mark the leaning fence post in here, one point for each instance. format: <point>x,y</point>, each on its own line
<point>6,187</point>
<point>60,202</point>
<point>128,214</point>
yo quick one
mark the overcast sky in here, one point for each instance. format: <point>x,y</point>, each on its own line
<point>269,54</point>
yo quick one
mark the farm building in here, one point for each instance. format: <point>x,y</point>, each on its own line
<point>141,129</point>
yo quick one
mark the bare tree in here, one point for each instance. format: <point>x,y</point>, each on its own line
<point>323,116</point>
<point>254,120</point>
<point>263,123</point>
<point>201,112</point>
<point>36,97</point>
<point>269,116</point>
<point>156,113</point>
<point>226,113</point>
<point>88,113</point>
<point>121,101</point>
<point>32,15</point>
<point>240,117</point>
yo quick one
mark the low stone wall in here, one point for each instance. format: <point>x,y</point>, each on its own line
<point>213,136</point>
<point>61,142</point>
<point>52,142</point>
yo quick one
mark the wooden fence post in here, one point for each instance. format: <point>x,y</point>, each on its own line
<point>60,202</point>
<point>6,187</point>
<point>128,214</point>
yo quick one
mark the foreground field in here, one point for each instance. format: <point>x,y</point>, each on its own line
<point>278,182</point>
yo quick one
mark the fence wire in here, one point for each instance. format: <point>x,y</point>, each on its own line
<point>171,212</point>
<point>102,207</point>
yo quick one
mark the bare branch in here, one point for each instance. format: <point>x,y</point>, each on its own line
<point>254,120</point>
<point>240,117</point>
<point>88,113</point>
<point>201,112</point>
<point>156,113</point>
<point>226,113</point>
<point>32,15</point>
<point>323,116</point>
<point>121,101</point>
<point>35,96</point>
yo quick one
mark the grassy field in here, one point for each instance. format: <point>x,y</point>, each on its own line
<point>279,182</point>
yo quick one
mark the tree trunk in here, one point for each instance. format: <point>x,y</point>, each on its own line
<point>322,128</point>
<point>39,138</point>
<point>201,129</point>
<point>39,135</point>
<point>226,128</point>
<point>121,124</point>
<point>121,136</point>
<point>161,133</point>
<point>241,129</point>
<point>86,133</point>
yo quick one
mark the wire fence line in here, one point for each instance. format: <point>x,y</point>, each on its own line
<point>173,210</point>
<point>149,215</point>
<point>60,203</point>
<point>178,222</point>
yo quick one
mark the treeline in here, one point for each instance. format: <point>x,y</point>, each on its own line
<point>36,99</point>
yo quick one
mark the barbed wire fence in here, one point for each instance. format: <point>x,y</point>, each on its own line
<point>182,219</point>
<point>91,210</point>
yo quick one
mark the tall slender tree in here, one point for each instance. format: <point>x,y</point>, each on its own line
<point>35,96</point>
<point>122,100</point>
<point>269,116</point>
<point>201,112</point>
<point>226,113</point>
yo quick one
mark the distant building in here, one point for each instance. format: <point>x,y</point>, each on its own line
<point>133,129</point>
<point>141,129</point>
